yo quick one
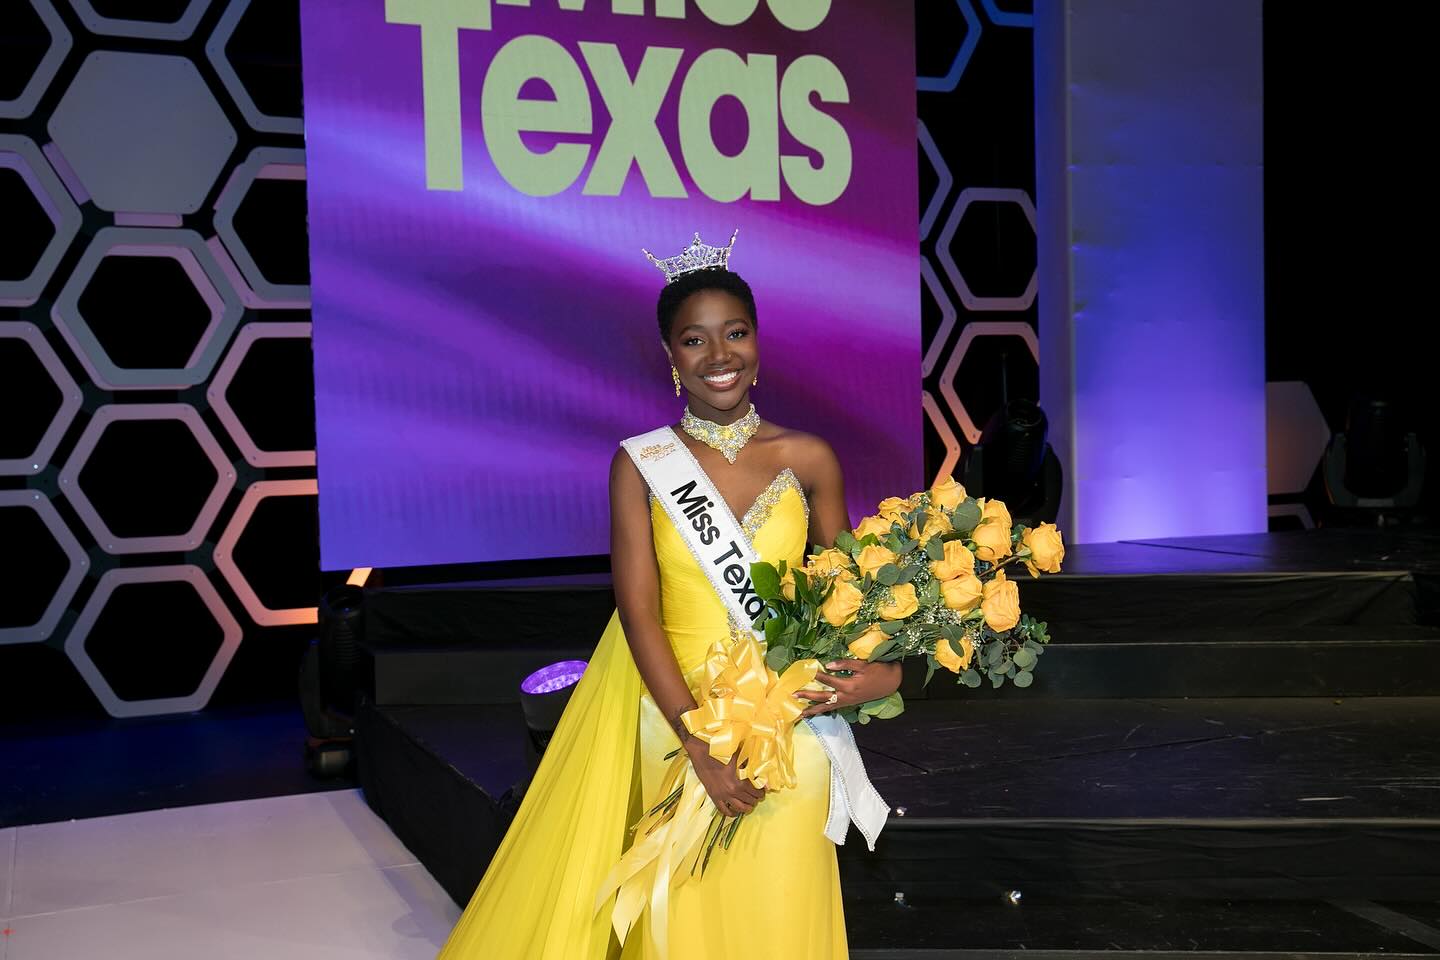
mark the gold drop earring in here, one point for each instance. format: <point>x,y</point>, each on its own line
<point>675,375</point>
<point>755,381</point>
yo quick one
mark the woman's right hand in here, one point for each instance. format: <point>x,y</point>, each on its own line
<point>731,794</point>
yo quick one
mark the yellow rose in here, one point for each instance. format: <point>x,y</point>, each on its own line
<point>877,525</point>
<point>958,560</point>
<point>892,507</point>
<point>830,563</point>
<point>1001,605</point>
<point>992,536</point>
<point>864,645</point>
<point>947,494</point>
<point>1046,549</point>
<point>843,603</point>
<point>901,604</point>
<point>787,584</point>
<point>948,658</point>
<point>936,523</point>
<point>872,558</point>
<point>961,593</point>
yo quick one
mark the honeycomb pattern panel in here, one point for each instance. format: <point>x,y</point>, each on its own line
<point>149,20</point>
<point>967,204</point>
<point>260,218</point>
<point>40,220</point>
<point>240,566</point>
<point>139,627</point>
<point>255,49</point>
<point>267,358</point>
<point>196,286</point>
<point>38,395</point>
<point>142,132</point>
<point>36,46</point>
<point>983,334</point>
<point>41,565</point>
<point>976,149</point>
<point>172,502</point>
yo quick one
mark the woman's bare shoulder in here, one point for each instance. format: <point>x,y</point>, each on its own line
<point>809,455</point>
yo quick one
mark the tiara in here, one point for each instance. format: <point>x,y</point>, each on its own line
<point>697,256</point>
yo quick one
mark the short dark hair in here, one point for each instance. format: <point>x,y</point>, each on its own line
<point>676,293</point>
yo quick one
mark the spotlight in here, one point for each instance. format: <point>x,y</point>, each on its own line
<point>329,675</point>
<point>1375,463</point>
<point>1012,462</point>
<point>543,696</point>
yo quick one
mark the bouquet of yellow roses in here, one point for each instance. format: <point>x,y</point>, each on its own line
<point>925,576</point>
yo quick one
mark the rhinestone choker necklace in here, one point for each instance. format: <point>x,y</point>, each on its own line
<point>727,438</point>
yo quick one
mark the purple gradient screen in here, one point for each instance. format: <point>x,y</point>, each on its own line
<point>481,350</point>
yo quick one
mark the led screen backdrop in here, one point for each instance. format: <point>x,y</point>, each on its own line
<point>481,179</point>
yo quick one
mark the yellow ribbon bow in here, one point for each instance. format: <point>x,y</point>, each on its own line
<point>746,707</point>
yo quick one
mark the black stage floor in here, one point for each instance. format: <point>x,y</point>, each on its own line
<point>1232,746</point>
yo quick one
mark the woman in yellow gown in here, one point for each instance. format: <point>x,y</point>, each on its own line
<point>775,893</point>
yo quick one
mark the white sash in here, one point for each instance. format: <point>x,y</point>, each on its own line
<point>719,545</point>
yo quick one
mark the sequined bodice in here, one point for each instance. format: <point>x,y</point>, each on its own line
<point>776,524</point>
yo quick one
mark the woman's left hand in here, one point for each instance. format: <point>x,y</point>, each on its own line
<point>868,681</point>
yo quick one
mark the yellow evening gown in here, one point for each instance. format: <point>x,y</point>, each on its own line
<point>774,895</point>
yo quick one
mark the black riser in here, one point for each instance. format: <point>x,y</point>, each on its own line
<point>1280,859</point>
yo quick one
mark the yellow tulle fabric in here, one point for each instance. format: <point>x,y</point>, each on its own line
<point>774,894</point>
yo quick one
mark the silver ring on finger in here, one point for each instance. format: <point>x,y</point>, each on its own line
<point>834,698</point>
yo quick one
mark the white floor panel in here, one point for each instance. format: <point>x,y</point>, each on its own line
<point>195,850</point>
<point>7,870</point>
<point>399,912</point>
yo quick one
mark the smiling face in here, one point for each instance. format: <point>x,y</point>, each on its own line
<point>712,345</point>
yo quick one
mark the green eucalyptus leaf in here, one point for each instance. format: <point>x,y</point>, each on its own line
<point>907,574</point>
<point>971,678</point>
<point>766,580</point>
<point>884,708</point>
<point>777,658</point>
<point>1024,678</point>
<point>966,518</point>
<point>1024,658</point>
<point>892,627</point>
<point>888,574</point>
<point>935,549</point>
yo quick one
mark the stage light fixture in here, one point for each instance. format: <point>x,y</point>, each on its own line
<point>1376,463</point>
<point>329,681</point>
<point>1013,462</point>
<point>543,696</point>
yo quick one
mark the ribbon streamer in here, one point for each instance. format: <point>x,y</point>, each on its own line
<point>747,709</point>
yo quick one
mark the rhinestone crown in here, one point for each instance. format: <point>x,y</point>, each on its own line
<point>697,256</point>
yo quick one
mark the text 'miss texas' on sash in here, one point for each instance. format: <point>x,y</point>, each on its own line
<point>723,551</point>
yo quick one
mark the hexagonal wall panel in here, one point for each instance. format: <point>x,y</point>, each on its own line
<point>947,436</point>
<point>142,132</point>
<point>60,43</point>
<point>221,404</point>
<point>215,50</point>
<point>1296,436</point>
<point>114,705</point>
<point>225,551</point>
<point>969,196</point>
<point>198,263</point>
<point>77,563</point>
<point>968,335</point>
<point>951,79</point>
<point>937,293</point>
<point>943,181</point>
<point>177,29</point>
<point>99,528</point>
<point>21,155</point>
<point>264,163</point>
<point>70,399</point>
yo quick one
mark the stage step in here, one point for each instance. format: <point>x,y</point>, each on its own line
<point>1287,798</point>
<point>1219,661</point>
